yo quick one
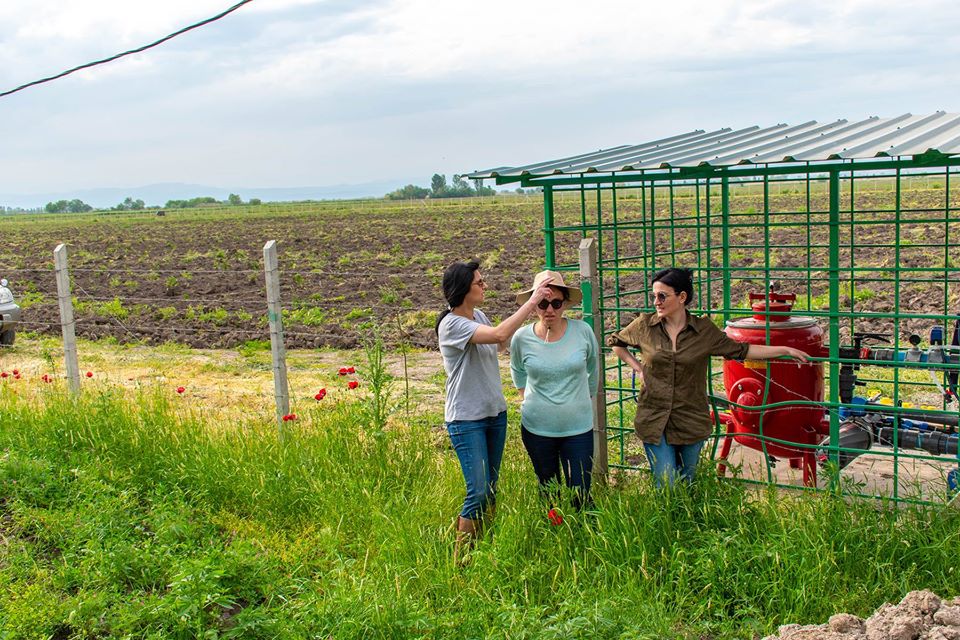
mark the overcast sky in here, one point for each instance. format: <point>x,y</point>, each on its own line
<point>288,93</point>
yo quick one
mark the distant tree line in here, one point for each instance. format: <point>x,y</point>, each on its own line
<point>68,206</point>
<point>131,204</point>
<point>207,201</point>
<point>20,210</point>
<point>439,188</point>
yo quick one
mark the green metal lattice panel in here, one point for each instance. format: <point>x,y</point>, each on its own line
<point>868,247</point>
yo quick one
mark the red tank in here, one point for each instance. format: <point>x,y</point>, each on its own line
<point>745,383</point>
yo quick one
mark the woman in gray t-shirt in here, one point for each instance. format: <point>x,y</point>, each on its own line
<point>475,411</point>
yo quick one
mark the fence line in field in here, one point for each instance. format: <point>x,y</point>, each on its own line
<point>38,323</point>
<point>176,329</point>
<point>237,303</point>
<point>234,301</point>
<point>299,272</point>
<point>275,316</point>
<point>206,330</point>
<point>69,323</point>
<point>365,308</point>
<point>237,313</point>
<point>356,309</point>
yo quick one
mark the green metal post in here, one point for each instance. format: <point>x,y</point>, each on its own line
<point>709,217</point>
<point>647,266</point>
<point>600,254</point>
<point>548,225</point>
<point>653,229</point>
<point>898,204</point>
<point>765,398</point>
<point>834,276</point>
<point>809,238</point>
<point>725,230</point>
<point>583,210</point>
<point>673,227</point>
<point>616,248</point>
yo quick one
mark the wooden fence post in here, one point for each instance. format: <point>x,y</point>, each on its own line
<point>281,391</point>
<point>67,322</point>
<point>589,284</point>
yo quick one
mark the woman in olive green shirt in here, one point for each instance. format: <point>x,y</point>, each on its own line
<point>673,419</point>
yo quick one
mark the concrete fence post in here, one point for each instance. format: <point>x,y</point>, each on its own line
<point>281,390</point>
<point>67,321</point>
<point>589,284</point>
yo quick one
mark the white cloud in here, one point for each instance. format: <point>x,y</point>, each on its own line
<point>308,91</point>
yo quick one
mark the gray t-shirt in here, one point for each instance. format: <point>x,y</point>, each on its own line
<point>474,390</point>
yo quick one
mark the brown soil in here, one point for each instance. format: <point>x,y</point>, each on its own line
<point>196,278</point>
<point>199,280</point>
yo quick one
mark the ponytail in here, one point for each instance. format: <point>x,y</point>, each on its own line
<point>457,280</point>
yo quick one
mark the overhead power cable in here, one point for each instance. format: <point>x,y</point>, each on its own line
<point>130,52</point>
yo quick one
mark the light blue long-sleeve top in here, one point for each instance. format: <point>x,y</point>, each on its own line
<point>558,379</point>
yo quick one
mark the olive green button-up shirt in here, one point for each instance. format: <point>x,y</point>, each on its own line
<point>673,400</point>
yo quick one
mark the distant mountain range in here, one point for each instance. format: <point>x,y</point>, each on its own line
<point>159,194</point>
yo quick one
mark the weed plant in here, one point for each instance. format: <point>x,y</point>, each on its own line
<point>380,403</point>
<point>137,518</point>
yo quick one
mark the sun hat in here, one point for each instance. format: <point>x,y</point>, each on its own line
<point>553,279</point>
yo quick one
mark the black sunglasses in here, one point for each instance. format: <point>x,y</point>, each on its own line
<point>543,304</point>
<point>660,296</point>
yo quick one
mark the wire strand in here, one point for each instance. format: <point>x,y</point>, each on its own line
<point>127,53</point>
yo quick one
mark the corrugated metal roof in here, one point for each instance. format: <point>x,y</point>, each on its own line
<point>906,135</point>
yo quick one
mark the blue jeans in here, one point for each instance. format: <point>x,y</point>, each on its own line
<point>667,461</point>
<point>572,454</point>
<point>479,447</point>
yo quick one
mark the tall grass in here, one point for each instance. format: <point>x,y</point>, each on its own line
<point>133,518</point>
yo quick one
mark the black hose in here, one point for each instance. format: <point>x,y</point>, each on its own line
<point>932,441</point>
<point>949,420</point>
<point>952,375</point>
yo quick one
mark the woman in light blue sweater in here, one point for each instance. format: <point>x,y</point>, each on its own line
<point>554,365</point>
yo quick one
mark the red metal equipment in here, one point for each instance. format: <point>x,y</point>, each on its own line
<point>746,384</point>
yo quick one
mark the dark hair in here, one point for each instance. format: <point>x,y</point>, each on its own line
<point>680,280</point>
<point>565,292</point>
<point>457,280</point>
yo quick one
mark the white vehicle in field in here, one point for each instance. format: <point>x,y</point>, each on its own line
<point>9,315</point>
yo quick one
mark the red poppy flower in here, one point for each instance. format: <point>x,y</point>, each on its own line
<point>89,374</point>
<point>343,371</point>
<point>289,416</point>
<point>16,372</point>
<point>353,384</point>
<point>351,370</point>
<point>181,389</point>
<point>321,394</point>
<point>555,518</point>
<point>16,377</point>
<point>3,374</point>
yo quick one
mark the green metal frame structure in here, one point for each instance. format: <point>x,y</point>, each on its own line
<point>868,245</point>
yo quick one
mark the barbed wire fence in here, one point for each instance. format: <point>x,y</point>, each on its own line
<point>393,319</point>
<point>199,318</point>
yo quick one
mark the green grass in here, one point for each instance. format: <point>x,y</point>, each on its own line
<point>111,309</point>
<point>135,518</point>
